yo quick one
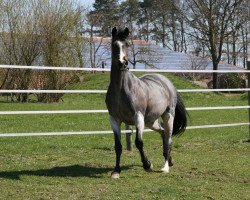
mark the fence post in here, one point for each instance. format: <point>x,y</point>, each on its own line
<point>248,85</point>
<point>129,138</point>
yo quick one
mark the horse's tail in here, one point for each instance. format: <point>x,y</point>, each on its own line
<point>180,119</point>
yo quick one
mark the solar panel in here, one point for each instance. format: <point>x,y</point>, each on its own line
<point>161,58</point>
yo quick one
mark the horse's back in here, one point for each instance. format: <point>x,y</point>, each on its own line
<point>158,81</point>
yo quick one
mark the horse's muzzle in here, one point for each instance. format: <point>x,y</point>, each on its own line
<point>124,64</point>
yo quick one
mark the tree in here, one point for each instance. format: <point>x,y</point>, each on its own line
<point>145,19</point>
<point>57,23</point>
<point>20,42</point>
<point>176,26</point>
<point>95,43</point>
<point>44,32</point>
<point>130,10</point>
<point>142,52</point>
<point>235,43</point>
<point>167,25</point>
<point>160,21</point>
<point>210,21</point>
<point>78,43</point>
<point>110,15</point>
<point>104,16</point>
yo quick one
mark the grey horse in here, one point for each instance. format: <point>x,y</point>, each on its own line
<point>141,102</point>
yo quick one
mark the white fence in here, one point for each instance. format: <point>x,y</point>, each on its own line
<point>133,70</point>
<point>104,91</point>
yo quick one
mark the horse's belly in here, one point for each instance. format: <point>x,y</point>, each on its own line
<point>155,110</point>
<point>151,117</point>
<point>126,115</point>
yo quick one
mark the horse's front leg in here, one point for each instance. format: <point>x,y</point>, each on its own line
<point>116,126</point>
<point>139,122</point>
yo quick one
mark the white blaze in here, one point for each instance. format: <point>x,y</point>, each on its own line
<point>121,54</point>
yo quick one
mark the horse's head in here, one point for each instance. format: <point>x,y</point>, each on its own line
<point>120,48</point>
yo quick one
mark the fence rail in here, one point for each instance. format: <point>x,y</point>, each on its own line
<point>133,70</point>
<point>105,91</point>
<point>106,111</point>
<point>110,132</point>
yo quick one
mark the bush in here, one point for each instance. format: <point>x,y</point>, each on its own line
<point>231,81</point>
<point>53,80</point>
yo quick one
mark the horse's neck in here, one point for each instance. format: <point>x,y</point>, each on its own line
<point>118,77</point>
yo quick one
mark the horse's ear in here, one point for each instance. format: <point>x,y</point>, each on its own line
<point>126,32</point>
<point>114,32</point>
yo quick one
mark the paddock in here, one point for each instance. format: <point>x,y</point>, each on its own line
<point>62,172</point>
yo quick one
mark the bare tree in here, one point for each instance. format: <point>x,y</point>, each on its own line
<point>20,42</point>
<point>195,62</point>
<point>142,52</point>
<point>236,40</point>
<point>78,44</point>
<point>57,23</point>
<point>211,20</point>
<point>44,32</point>
<point>98,45</point>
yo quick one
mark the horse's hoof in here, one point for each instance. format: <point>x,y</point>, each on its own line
<point>150,168</point>
<point>165,170</point>
<point>115,175</point>
<point>171,161</point>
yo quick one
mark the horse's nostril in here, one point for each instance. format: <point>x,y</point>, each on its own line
<point>120,62</point>
<point>123,62</point>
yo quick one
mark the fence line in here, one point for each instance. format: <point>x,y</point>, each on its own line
<point>106,111</point>
<point>52,112</point>
<point>133,70</point>
<point>218,108</point>
<point>215,90</point>
<point>56,91</point>
<point>110,132</point>
<point>105,91</point>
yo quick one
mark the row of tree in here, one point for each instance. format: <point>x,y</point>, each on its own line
<point>63,33</point>
<point>210,28</point>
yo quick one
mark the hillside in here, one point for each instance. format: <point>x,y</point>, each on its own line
<point>209,163</point>
<point>81,122</point>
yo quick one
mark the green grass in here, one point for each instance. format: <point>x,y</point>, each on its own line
<point>209,163</point>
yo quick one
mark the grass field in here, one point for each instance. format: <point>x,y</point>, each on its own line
<point>209,163</point>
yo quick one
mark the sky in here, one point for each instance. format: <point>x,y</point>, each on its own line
<point>87,3</point>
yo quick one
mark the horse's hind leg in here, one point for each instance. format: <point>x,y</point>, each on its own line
<point>116,126</point>
<point>139,122</point>
<point>168,120</point>
<point>156,126</point>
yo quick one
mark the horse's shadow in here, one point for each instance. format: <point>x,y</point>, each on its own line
<point>66,171</point>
